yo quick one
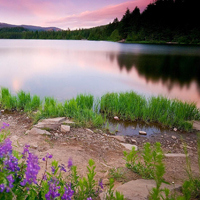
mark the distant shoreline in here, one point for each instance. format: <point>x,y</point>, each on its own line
<point>125,42</point>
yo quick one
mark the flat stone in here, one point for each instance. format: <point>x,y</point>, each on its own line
<point>64,128</point>
<point>36,131</point>
<point>139,189</point>
<point>175,155</point>
<point>51,123</point>
<point>57,120</point>
<point>142,133</point>
<point>173,137</point>
<point>129,146</point>
<point>44,125</point>
<point>196,125</point>
<point>67,122</point>
<point>119,138</point>
<point>175,129</point>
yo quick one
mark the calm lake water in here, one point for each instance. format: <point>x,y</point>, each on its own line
<point>63,69</point>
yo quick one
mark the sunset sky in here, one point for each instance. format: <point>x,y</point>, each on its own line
<point>65,13</point>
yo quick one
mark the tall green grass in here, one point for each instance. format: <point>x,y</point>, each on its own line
<point>131,106</point>
<point>80,108</point>
<point>85,110</point>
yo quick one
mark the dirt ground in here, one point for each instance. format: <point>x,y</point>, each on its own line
<point>81,144</point>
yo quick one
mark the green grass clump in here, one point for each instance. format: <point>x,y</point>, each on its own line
<point>80,109</point>
<point>151,157</point>
<point>85,101</point>
<point>7,101</point>
<point>23,101</point>
<point>131,106</point>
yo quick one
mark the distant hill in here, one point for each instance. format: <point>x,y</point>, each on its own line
<point>29,27</point>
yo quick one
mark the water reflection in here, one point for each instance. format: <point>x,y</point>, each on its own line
<point>170,69</point>
<point>64,69</point>
<point>133,128</point>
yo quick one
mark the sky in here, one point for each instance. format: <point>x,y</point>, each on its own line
<point>64,14</point>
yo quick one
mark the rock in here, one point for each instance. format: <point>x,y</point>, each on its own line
<point>57,120</point>
<point>173,137</point>
<point>87,129</point>
<point>133,128</point>
<point>196,125</point>
<point>139,189</point>
<point>36,131</point>
<point>51,123</point>
<point>64,128</point>
<point>67,122</point>
<point>175,129</point>
<point>47,126</point>
<point>175,155</point>
<point>105,181</point>
<point>116,118</point>
<point>129,146</point>
<point>142,133</point>
<point>56,135</point>
<point>119,138</point>
<point>2,111</point>
<point>133,141</point>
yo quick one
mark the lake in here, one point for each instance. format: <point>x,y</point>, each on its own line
<point>65,68</point>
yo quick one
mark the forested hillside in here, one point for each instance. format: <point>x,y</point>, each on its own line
<point>161,21</point>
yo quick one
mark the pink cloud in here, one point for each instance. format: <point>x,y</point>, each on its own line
<point>32,11</point>
<point>98,17</point>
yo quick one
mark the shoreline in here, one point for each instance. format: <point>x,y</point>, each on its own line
<point>90,112</point>
<point>125,42</point>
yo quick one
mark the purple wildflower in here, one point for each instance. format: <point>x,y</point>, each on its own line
<point>70,163</point>
<point>53,170</point>
<point>68,193</point>
<point>32,169</point>
<point>62,167</point>
<point>89,198</point>
<point>23,183</point>
<point>2,187</point>
<point>26,150</point>
<point>5,124</point>
<point>5,148</point>
<point>53,190</point>
<point>45,177</point>
<point>101,183</point>
<point>10,180</point>
<point>47,156</point>
<point>11,163</point>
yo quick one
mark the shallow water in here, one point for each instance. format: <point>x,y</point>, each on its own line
<point>63,69</point>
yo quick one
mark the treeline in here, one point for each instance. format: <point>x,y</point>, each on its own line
<point>161,21</point>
